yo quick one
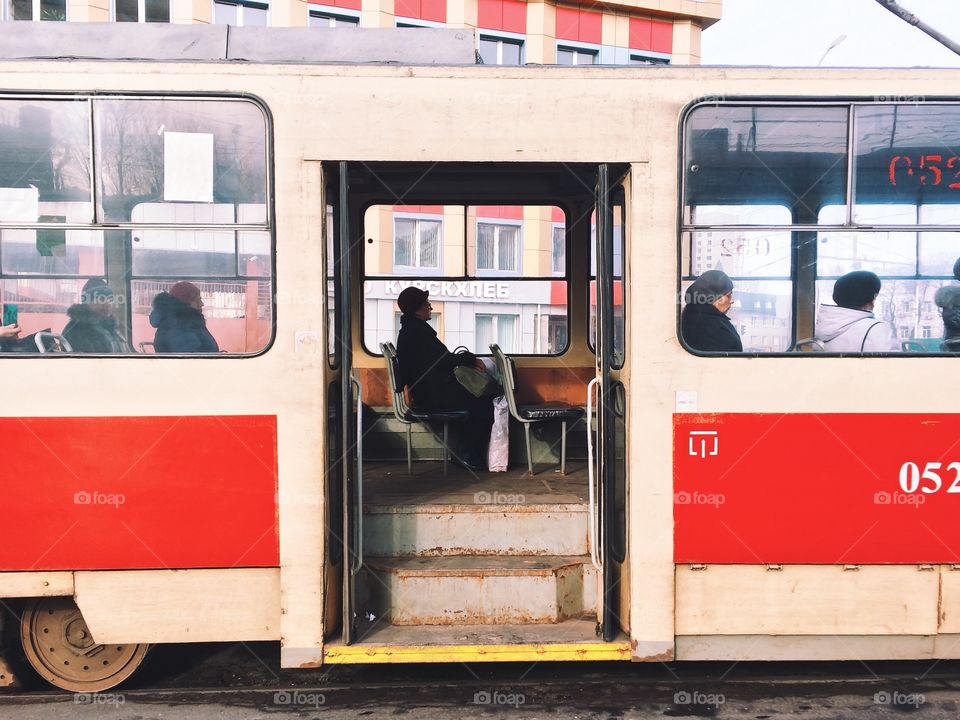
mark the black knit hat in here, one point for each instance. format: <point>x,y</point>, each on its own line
<point>411,300</point>
<point>856,289</point>
<point>707,288</point>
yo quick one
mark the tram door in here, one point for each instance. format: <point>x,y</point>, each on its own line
<point>344,436</point>
<point>609,456</point>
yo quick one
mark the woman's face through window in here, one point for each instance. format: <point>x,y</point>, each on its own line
<point>724,302</point>
<point>425,311</point>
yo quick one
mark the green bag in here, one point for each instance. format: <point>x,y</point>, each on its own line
<point>479,384</point>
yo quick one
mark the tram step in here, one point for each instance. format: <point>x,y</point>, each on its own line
<point>468,528</point>
<point>470,590</point>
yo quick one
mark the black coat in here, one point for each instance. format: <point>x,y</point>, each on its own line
<point>706,329</point>
<point>90,332</point>
<point>426,366</point>
<point>180,327</point>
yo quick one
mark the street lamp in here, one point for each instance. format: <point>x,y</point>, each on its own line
<point>839,39</point>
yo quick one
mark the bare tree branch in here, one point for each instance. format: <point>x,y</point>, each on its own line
<point>909,17</point>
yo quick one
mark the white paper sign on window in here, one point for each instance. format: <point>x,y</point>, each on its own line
<point>19,204</point>
<point>187,167</point>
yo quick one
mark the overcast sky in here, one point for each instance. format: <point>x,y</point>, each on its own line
<point>798,32</point>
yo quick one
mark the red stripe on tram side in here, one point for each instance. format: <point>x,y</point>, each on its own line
<point>816,488</point>
<point>139,492</point>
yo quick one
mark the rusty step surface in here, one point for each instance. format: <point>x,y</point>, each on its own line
<point>474,513</point>
<point>484,589</point>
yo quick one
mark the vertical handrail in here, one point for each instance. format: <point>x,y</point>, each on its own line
<point>359,524</point>
<point>592,494</point>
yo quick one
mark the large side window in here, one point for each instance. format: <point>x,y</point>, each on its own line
<point>185,180</point>
<point>492,274</point>
<point>780,200</point>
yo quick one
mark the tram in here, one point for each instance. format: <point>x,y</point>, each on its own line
<point>777,503</point>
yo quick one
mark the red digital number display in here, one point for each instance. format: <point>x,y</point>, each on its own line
<point>934,170</point>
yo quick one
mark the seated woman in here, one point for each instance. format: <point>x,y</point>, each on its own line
<point>92,327</point>
<point>850,325</point>
<point>704,323</point>
<point>178,317</point>
<point>947,299</point>
<point>426,367</point>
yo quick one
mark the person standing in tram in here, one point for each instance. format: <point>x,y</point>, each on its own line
<point>92,327</point>
<point>178,317</point>
<point>850,325</point>
<point>426,367</point>
<point>704,324</point>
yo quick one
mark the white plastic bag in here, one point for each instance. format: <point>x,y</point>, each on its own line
<point>498,454</point>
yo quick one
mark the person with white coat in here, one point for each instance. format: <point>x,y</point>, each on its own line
<point>850,326</point>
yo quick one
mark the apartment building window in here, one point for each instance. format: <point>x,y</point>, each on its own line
<point>576,56</point>
<point>499,329</point>
<point>416,243</point>
<point>644,59</point>
<point>323,16</point>
<point>240,13</point>
<point>498,247</point>
<point>38,10</point>
<point>141,11</point>
<point>558,257</point>
<point>495,50</point>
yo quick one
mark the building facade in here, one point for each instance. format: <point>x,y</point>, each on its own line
<point>511,32</point>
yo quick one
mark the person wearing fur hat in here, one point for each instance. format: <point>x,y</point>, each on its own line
<point>948,300</point>
<point>426,367</point>
<point>850,326</point>
<point>178,317</point>
<point>704,324</point>
<point>92,327</point>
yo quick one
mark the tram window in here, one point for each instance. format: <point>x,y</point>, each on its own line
<point>179,151</point>
<point>764,155</point>
<point>45,168</point>
<point>189,176</point>
<point>489,270</point>
<point>908,153</point>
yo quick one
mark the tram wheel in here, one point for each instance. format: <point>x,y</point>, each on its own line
<point>60,647</point>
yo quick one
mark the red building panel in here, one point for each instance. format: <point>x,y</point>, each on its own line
<point>434,10</point>
<point>816,488</point>
<point>579,25</point>
<point>640,34</point>
<point>108,493</point>
<point>505,212</point>
<point>407,8</point>
<point>514,16</point>
<point>349,4</point>
<point>661,37</point>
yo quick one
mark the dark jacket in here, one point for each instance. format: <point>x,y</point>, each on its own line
<point>180,327</point>
<point>426,366</point>
<point>90,332</point>
<point>706,329</point>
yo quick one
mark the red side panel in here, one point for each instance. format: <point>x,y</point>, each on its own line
<point>139,492</point>
<point>810,488</point>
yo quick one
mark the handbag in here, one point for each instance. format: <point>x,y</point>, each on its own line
<point>479,384</point>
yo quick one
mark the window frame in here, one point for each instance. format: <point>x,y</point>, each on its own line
<point>796,230</point>
<point>463,277</point>
<point>98,224</point>
<point>240,5</point>
<point>418,218</point>
<point>141,12</point>
<point>36,12</point>
<point>331,12</point>
<point>497,224</point>
<point>502,38</point>
<point>578,49</point>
